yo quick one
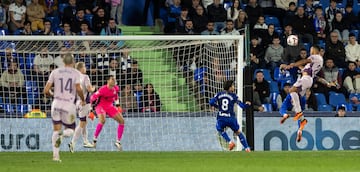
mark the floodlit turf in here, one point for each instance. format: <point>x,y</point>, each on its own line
<point>286,161</point>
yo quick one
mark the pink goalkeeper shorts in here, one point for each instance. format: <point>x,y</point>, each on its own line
<point>106,110</point>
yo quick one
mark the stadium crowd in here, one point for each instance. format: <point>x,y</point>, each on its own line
<point>332,24</point>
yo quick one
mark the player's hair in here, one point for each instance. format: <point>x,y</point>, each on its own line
<point>68,59</point>
<point>228,84</point>
<point>316,47</point>
<point>108,77</point>
<point>79,65</point>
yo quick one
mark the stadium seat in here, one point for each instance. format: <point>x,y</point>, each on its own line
<point>55,22</point>
<point>307,47</point>
<point>348,107</point>
<point>199,74</point>
<point>356,33</point>
<point>336,98</point>
<point>3,32</point>
<point>274,88</point>
<point>320,98</point>
<point>267,75</point>
<point>22,109</point>
<point>272,20</point>
<point>280,76</point>
<point>325,107</point>
<point>267,107</point>
<point>88,17</point>
<point>9,108</point>
<point>273,97</point>
<point>62,6</point>
<point>341,71</point>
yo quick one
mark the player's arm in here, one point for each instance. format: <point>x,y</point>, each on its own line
<point>90,88</point>
<point>213,101</point>
<point>299,63</point>
<point>47,89</point>
<point>244,105</point>
<point>79,91</point>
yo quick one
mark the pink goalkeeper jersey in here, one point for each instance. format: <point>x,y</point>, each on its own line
<point>64,80</point>
<point>106,95</point>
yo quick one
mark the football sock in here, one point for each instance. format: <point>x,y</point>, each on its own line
<point>295,102</point>
<point>68,132</point>
<point>243,140</point>
<point>225,136</point>
<point>77,133</point>
<point>98,130</point>
<point>55,136</point>
<point>120,131</point>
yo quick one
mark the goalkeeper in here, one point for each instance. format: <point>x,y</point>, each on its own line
<point>225,101</point>
<point>106,96</point>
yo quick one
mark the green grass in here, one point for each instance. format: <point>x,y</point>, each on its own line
<point>285,161</point>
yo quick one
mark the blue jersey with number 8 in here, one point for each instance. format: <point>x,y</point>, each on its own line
<point>225,102</point>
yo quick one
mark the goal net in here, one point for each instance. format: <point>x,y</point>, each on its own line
<point>166,83</point>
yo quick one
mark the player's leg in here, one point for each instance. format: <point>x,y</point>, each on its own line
<point>101,114</point>
<point>284,108</point>
<point>221,128</point>
<point>56,136</point>
<point>236,128</point>
<point>117,116</point>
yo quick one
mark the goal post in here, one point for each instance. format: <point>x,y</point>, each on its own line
<point>184,71</point>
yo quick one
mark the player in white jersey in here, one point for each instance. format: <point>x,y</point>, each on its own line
<point>83,111</point>
<point>66,82</point>
<point>313,65</point>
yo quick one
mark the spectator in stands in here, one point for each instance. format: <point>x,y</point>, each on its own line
<point>17,15</point>
<point>334,48</point>
<point>125,59</point>
<point>352,49</point>
<point>85,31</point>
<point>258,106</point>
<point>320,24</point>
<point>7,59</point>
<point>253,11</point>
<point>341,26</point>
<point>288,30</point>
<point>193,9</point>
<point>128,100</point>
<point>112,29</point>
<point>3,15</point>
<point>13,83</point>
<point>66,31</point>
<point>350,17</point>
<point>290,14</point>
<point>117,10</point>
<point>257,54</point>
<point>70,12</point>
<point>210,29</point>
<point>27,29</point>
<point>41,67</point>
<point>311,102</point>
<point>105,5</point>
<point>99,21</point>
<point>261,86</point>
<point>241,21</point>
<point>291,53</point>
<point>115,71</point>
<point>157,5</point>
<point>138,93</point>
<point>35,13</point>
<point>322,52</point>
<point>329,79</point>
<point>134,73</point>
<point>304,27</point>
<point>88,5</point>
<point>273,54</point>
<point>200,19</point>
<point>58,60</point>
<point>341,111</point>
<point>217,13</point>
<point>268,36</point>
<point>229,29</point>
<point>47,28</point>
<point>80,18</point>
<point>181,20</point>
<point>309,9</point>
<point>189,28</point>
<point>96,77</point>
<point>102,60</point>
<point>302,55</point>
<point>284,4</point>
<point>83,57</point>
<point>233,11</point>
<point>50,7</point>
<point>260,25</point>
<point>174,11</point>
<point>150,99</point>
<point>330,12</point>
<point>351,78</point>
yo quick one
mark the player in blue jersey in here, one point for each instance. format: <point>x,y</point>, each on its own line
<point>309,68</point>
<point>225,101</point>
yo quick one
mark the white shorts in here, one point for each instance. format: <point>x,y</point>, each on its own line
<point>63,111</point>
<point>303,83</point>
<point>83,111</point>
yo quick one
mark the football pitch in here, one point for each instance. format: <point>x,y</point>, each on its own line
<point>276,161</point>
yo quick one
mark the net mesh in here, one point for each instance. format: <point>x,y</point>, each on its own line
<point>184,74</point>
